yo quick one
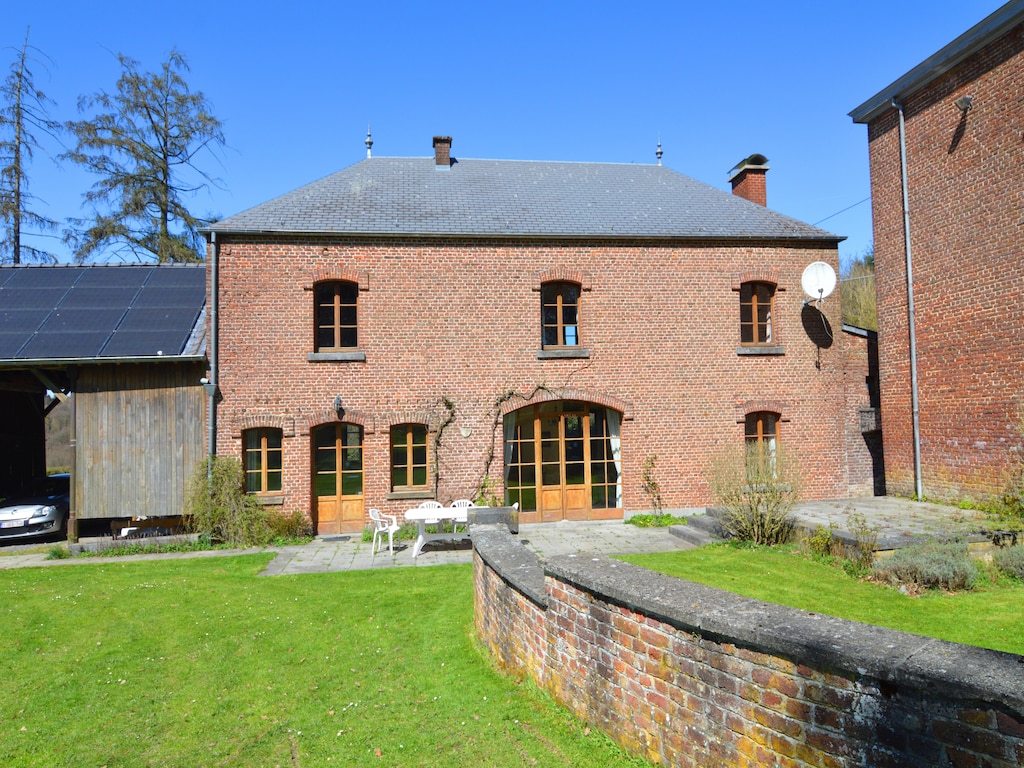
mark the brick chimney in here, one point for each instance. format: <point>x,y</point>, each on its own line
<point>443,152</point>
<point>748,179</point>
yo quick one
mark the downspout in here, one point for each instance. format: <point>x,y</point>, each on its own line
<point>914,403</point>
<point>211,420</point>
<point>73,445</point>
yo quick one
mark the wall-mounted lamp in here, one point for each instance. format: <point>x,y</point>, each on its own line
<point>338,407</point>
<point>208,386</point>
<point>964,103</point>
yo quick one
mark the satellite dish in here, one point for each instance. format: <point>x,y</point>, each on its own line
<point>818,280</point>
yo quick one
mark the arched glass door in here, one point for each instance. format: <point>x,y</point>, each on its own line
<point>562,461</point>
<point>338,478</point>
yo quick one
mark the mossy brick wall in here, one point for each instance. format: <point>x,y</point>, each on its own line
<point>965,203</point>
<point>687,675</point>
<point>457,321</point>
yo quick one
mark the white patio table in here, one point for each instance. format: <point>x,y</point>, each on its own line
<point>421,515</point>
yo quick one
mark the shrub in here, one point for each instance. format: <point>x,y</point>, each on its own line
<point>756,495</point>
<point>932,565</point>
<point>219,508</point>
<point>1011,561</point>
<point>650,483</point>
<point>291,526</point>
<point>58,552</point>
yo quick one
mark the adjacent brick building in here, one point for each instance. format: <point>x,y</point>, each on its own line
<point>961,117</point>
<point>424,328</point>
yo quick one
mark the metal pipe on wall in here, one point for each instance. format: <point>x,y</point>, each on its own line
<point>914,401</point>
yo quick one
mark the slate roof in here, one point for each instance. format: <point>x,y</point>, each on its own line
<point>515,198</point>
<point>101,312</point>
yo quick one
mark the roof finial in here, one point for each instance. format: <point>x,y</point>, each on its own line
<point>659,153</point>
<point>369,141</point>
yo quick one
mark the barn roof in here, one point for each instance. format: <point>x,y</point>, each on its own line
<point>102,312</point>
<point>389,196</point>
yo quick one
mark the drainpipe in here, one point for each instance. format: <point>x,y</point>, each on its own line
<point>914,403</point>
<point>211,420</point>
<point>73,444</point>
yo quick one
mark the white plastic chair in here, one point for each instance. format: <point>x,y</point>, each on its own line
<point>383,526</point>
<point>460,504</point>
<point>432,505</point>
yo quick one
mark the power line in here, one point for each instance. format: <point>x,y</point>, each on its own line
<point>861,202</point>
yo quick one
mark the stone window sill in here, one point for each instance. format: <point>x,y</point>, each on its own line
<point>268,501</point>
<point>567,353</point>
<point>760,351</point>
<point>399,495</point>
<point>336,357</point>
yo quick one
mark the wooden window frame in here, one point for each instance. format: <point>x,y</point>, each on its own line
<point>756,436</point>
<point>560,306</point>
<point>263,453</point>
<point>410,465</point>
<point>755,331</point>
<point>337,328</point>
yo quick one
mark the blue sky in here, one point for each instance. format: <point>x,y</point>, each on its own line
<point>296,85</point>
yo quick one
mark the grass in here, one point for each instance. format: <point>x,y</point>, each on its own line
<point>988,616</point>
<point>203,662</point>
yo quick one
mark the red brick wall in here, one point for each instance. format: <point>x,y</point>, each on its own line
<point>966,199</point>
<point>864,449</point>
<point>686,675</point>
<point>458,323</point>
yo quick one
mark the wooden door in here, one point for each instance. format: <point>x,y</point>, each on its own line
<point>564,491</point>
<point>338,478</point>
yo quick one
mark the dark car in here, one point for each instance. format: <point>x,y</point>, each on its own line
<point>43,513</point>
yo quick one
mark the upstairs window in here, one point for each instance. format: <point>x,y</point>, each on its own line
<point>756,301</point>
<point>409,458</point>
<point>560,315</point>
<point>336,316</point>
<point>262,460</point>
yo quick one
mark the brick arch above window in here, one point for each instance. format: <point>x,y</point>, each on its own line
<point>420,416</point>
<point>268,420</point>
<point>570,393</point>
<point>334,274</point>
<point>760,275</point>
<point>328,416</point>
<point>778,407</point>
<point>562,275</point>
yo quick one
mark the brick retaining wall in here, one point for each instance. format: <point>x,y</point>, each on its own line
<point>687,675</point>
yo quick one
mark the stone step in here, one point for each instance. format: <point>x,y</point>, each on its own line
<point>692,535</point>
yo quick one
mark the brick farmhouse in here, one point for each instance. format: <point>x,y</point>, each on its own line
<point>951,134</point>
<point>581,338</point>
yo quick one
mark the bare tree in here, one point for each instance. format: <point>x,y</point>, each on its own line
<point>143,145</point>
<point>23,112</point>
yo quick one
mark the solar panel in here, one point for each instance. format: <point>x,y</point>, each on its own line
<point>82,320</point>
<point>65,345</point>
<point>10,343</point>
<point>135,343</point>
<point>181,319</point>
<point>177,276</point>
<point>23,321</point>
<point>116,277</point>
<point>30,298</point>
<point>172,296</point>
<point>83,311</point>
<point>44,277</point>
<point>98,296</point>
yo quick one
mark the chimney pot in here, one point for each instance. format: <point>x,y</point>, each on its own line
<point>442,151</point>
<point>748,179</point>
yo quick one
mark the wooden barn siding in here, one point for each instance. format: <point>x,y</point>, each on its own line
<point>141,430</point>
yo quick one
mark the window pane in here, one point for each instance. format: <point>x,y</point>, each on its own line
<point>349,292</point>
<point>419,477</point>
<point>571,339</point>
<point>599,497</point>
<point>326,485</point>
<point>597,472</point>
<point>574,450</point>
<point>550,338</point>
<point>529,475</point>
<point>419,455</point>
<point>399,476</point>
<point>274,460</point>
<point>348,338</point>
<point>574,426</point>
<point>352,458</point>
<point>551,474</point>
<point>549,451</point>
<point>528,499</point>
<point>252,482</point>
<point>352,483</point>
<point>528,453</point>
<point>569,315</point>
<point>575,473</point>
<point>274,481</point>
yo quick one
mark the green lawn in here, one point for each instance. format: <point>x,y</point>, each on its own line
<point>990,616</point>
<point>203,663</point>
